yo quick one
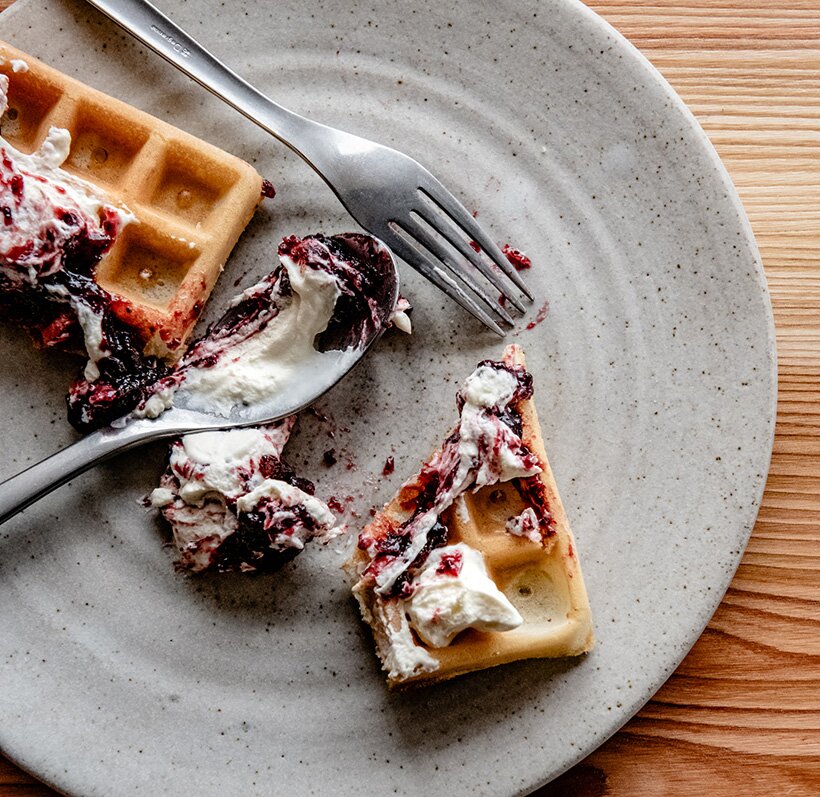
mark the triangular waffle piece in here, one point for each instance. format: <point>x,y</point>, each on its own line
<point>191,199</point>
<point>535,566</point>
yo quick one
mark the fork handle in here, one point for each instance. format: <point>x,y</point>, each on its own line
<point>148,24</point>
<point>25,488</point>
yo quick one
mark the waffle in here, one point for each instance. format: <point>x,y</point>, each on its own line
<point>541,579</point>
<point>192,200</point>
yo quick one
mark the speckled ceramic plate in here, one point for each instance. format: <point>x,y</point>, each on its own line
<point>655,379</point>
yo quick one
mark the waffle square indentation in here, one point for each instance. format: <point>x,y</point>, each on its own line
<point>102,146</point>
<point>148,266</point>
<point>190,185</point>
<point>30,102</point>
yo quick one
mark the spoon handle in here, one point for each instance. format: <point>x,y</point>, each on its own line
<point>25,488</point>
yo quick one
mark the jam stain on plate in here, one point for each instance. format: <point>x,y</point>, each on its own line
<point>542,314</point>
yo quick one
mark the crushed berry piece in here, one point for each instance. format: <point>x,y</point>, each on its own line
<point>517,258</point>
<point>268,190</point>
<point>336,505</point>
<point>389,466</point>
<point>450,564</point>
<point>329,457</point>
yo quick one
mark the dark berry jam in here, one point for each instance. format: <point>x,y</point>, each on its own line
<point>359,264</point>
<point>47,278</point>
<point>435,487</point>
<point>534,493</point>
<point>402,587</point>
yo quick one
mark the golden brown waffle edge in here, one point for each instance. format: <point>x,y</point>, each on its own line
<point>544,583</point>
<point>192,200</point>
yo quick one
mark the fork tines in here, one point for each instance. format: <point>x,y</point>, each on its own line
<point>439,236</point>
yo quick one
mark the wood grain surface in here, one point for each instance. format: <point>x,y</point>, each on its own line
<point>741,716</point>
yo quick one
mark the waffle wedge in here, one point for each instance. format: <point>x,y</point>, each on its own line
<point>191,199</point>
<point>540,576</point>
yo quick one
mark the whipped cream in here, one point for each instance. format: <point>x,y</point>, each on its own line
<point>199,532</point>
<point>263,364</point>
<point>401,655</point>
<point>91,325</point>
<point>223,465</point>
<point>453,592</point>
<point>486,439</point>
<point>219,483</point>
<point>18,65</point>
<point>400,317</point>
<point>526,525</point>
<point>484,451</point>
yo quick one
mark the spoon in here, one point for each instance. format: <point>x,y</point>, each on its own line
<point>303,387</point>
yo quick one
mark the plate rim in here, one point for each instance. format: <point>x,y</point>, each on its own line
<point>593,18</point>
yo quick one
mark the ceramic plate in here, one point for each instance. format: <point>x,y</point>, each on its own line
<point>655,380</point>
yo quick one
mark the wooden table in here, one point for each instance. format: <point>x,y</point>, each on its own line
<point>741,716</point>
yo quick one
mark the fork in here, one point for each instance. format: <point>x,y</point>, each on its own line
<point>388,193</point>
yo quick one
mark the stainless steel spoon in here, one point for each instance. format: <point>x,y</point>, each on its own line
<point>304,387</point>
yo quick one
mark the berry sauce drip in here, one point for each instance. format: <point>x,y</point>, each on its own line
<point>441,480</point>
<point>49,250</point>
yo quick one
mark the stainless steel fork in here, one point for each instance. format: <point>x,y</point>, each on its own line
<point>388,193</point>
